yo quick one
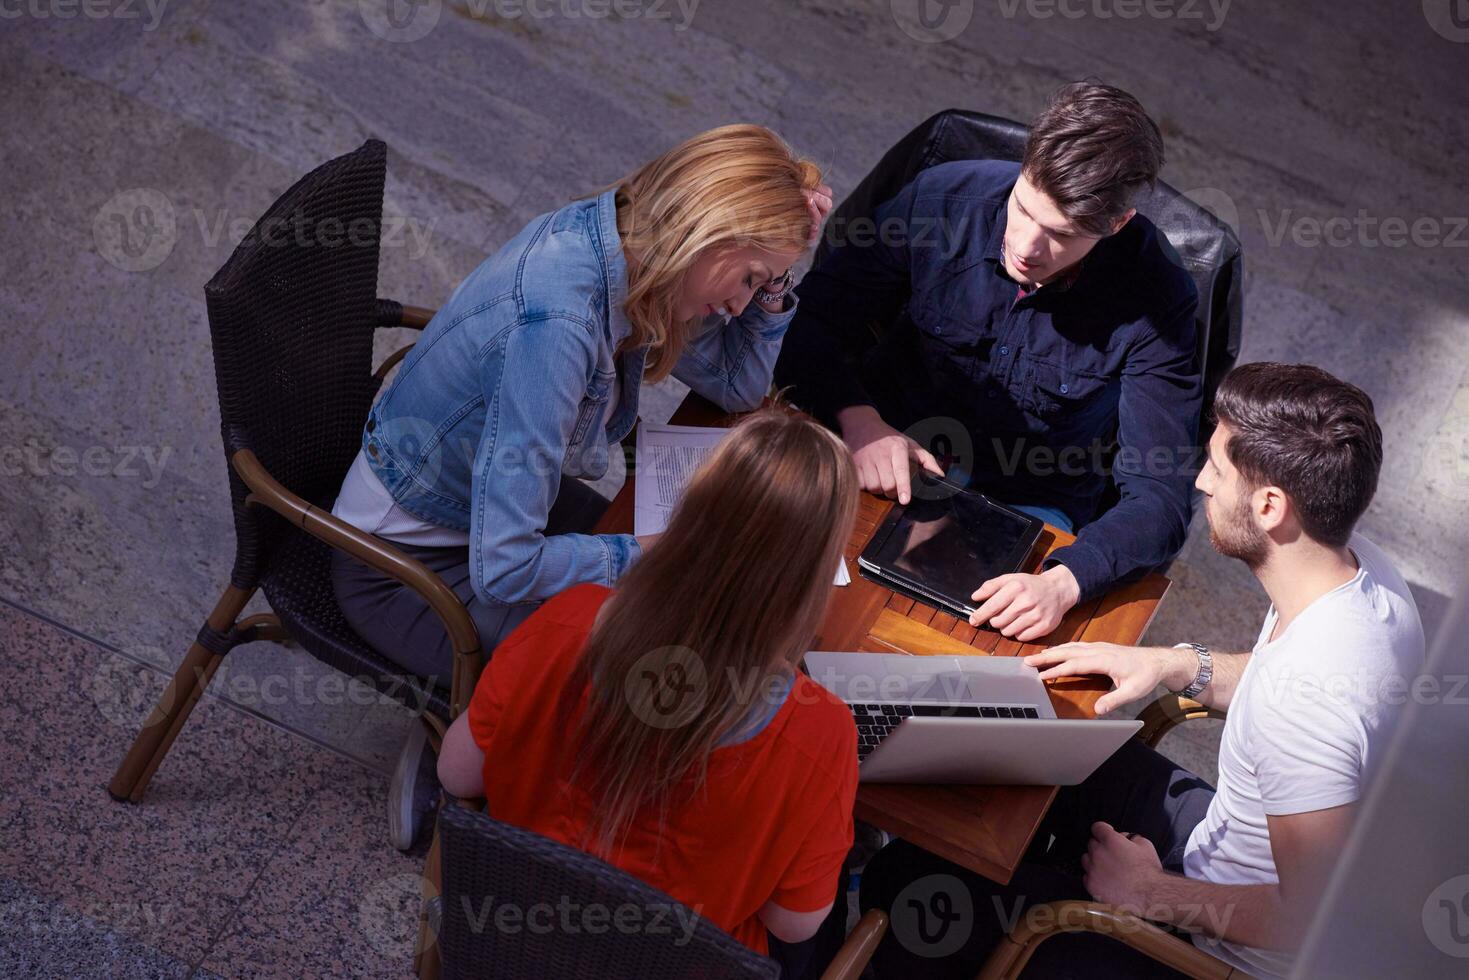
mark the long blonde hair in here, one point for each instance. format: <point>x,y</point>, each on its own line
<point>733,186</point>
<point>721,608</point>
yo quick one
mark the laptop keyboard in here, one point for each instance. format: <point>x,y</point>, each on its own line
<point>876,721</point>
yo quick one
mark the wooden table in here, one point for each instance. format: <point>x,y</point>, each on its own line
<point>983,828</point>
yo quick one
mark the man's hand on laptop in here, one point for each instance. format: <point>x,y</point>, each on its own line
<point>882,454</point>
<point>1023,606</point>
<point>1135,671</point>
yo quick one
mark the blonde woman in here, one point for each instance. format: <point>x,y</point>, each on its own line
<point>471,461</point>
<point>665,726</point>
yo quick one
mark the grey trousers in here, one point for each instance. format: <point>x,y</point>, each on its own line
<point>398,624</point>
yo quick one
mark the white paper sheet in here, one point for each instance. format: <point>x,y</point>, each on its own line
<point>667,456</point>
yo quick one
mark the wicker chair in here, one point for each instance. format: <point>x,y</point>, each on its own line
<point>291,317</point>
<point>489,865</point>
<point>1015,950</point>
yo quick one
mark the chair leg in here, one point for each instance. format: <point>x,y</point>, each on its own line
<point>168,716</point>
<point>426,961</point>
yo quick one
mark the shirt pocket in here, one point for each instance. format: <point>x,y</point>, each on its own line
<point>593,407</point>
<point>955,352</point>
<point>1059,396</point>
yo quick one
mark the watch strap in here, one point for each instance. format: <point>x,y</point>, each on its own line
<point>1205,673</point>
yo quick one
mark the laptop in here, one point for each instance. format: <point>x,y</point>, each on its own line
<point>962,719</point>
<point>942,545</point>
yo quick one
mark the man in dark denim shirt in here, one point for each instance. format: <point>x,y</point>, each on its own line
<point>1036,316</point>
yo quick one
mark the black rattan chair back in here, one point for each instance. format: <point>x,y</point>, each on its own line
<point>490,866</point>
<point>1202,244</point>
<point>291,317</point>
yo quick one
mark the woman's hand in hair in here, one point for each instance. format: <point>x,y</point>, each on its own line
<point>818,203</point>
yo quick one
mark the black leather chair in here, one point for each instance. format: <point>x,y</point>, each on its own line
<point>1203,244</point>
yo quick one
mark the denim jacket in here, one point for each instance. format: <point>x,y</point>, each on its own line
<point>508,388</point>
<point>1037,384</point>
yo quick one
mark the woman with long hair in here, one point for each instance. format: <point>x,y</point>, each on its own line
<point>666,727</point>
<point>472,459</point>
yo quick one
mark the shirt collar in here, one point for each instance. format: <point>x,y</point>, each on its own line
<point>994,251</point>
<point>614,265</point>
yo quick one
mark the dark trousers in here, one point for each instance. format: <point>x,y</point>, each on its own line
<point>398,624</point>
<point>945,920</point>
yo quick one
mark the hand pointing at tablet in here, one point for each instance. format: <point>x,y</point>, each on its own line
<point>883,455</point>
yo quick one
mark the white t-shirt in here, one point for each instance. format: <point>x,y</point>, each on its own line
<point>366,504</point>
<point>1313,711</point>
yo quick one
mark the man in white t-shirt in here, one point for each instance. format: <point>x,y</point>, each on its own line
<point>1290,469</point>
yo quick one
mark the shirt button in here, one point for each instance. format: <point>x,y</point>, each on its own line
<point>371,424</point>
<point>372,449</point>
<point>1004,350</point>
<point>1064,388</point>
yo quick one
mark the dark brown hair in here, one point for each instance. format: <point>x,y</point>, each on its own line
<point>1296,427</point>
<point>1091,151</point>
<point>730,597</point>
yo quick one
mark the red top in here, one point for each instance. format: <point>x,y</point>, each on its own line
<point>774,820</point>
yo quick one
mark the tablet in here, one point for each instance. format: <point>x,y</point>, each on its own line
<point>939,549</point>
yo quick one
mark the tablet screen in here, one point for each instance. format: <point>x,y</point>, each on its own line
<point>950,546</point>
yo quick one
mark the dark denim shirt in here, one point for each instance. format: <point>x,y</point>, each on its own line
<point>1024,394</point>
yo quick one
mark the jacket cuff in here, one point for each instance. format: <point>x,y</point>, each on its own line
<point>1091,568</point>
<point>622,551</point>
<point>767,325</point>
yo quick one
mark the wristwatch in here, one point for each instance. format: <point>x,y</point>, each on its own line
<point>1206,670</point>
<point>775,289</point>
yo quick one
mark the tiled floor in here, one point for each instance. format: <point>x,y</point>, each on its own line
<point>254,853</point>
<point>140,144</point>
